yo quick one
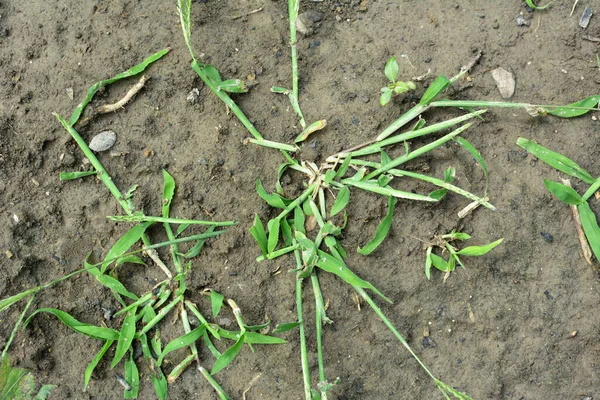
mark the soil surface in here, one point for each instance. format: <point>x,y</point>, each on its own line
<point>519,323</point>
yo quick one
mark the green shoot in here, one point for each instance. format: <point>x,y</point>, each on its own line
<point>17,383</point>
<point>443,242</point>
<point>395,87</point>
<point>534,7</point>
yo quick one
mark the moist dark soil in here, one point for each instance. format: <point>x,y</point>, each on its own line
<point>518,323</point>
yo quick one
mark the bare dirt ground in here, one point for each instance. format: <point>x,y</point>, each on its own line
<point>503,327</point>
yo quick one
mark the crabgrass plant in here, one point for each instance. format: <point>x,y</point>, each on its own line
<point>291,231</point>
<point>140,315</point>
<point>566,193</point>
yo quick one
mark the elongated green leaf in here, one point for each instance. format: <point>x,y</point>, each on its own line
<point>9,301</point>
<point>251,337</point>
<point>93,331</point>
<point>478,250</point>
<point>130,72</point>
<point>439,262</point>
<point>216,301</point>
<point>465,144</point>
<point>212,73</point>
<point>68,176</point>
<point>590,227</point>
<point>92,365</point>
<point>534,7</point>
<point>186,222</point>
<point>391,69</point>
<point>373,186</point>
<point>574,109</point>
<point>125,243</point>
<point>337,267</point>
<point>274,199</point>
<point>108,281</point>
<point>132,259</point>
<point>438,86</point>
<point>181,342</point>
<point>309,130</point>
<point>132,377</point>
<point>168,192</point>
<point>382,229</point>
<point>280,328</point>
<point>227,357</point>
<point>279,89</point>
<point>341,201</point>
<point>197,248</point>
<point>556,160</point>
<point>564,193</point>
<point>232,86</point>
<point>344,168</point>
<point>125,337</point>
<point>428,263</point>
<point>258,233</point>
<point>385,158</point>
<point>273,227</point>
<point>286,232</point>
<point>299,220</point>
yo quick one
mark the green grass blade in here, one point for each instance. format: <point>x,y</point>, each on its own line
<point>124,243</point>
<point>92,365</point>
<point>68,176</point>
<point>181,342</point>
<point>108,281</point>
<point>160,385</point>
<point>227,357</point>
<point>438,86</point>
<point>382,229</point>
<point>251,337</point>
<point>211,347</point>
<point>439,262</point>
<point>149,218</point>
<point>333,265</point>
<point>479,250</point>
<point>168,193</point>
<point>273,199</point>
<point>574,109</point>
<point>258,233</point>
<point>312,128</point>
<point>92,331</point>
<point>590,227</point>
<point>341,201</point>
<point>126,336</point>
<point>556,160</point>
<point>216,301</point>
<point>130,72</point>
<point>197,248</point>
<point>132,259</point>
<point>9,301</point>
<point>280,328</point>
<point>132,377</point>
<point>465,144</point>
<point>534,7</point>
<point>564,193</point>
<point>373,186</point>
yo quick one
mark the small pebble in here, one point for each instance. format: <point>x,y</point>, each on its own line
<point>103,141</point>
<point>428,342</point>
<point>505,82</point>
<point>522,21</point>
<point>193,95</point>
<point>547,237</point>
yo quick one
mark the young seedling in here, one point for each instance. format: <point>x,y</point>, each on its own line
<point>395,87</point>
<point>583,214</point>
<point>444,242</point>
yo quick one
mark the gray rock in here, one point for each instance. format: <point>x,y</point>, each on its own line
<point>522,21</point>
<point>306,21</point>
<point>103,141</point>
<point>505,82</point>
<point>585,17</point>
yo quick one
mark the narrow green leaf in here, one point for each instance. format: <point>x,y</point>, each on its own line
<point>227,357</point>
<point>439,262</point>
<point>428,263</point>
<point>90,368</point>
<point>168,192</point>
<point>9,301</point>
<point>181,342</point>
<point>67,176</point>
<point>534,7</point>
<point>160,385</point>
<point>273,199</point>
<point>342,170</point>
<point>197,248</point>
<point>391,69</point>
<point>574,109</point>
<point>251,337</point>
<point>465,144</point>
<point>337,267</point>
<point>478,250</point>
<point>92,331</point>
<point>258,233</point>
<point>280,328</point>
<point>108,281</point>
<point>341,201</point>
<point>286,232</point>
<point>279,89</point>
<point>132,377</point>
<point>232,86</point>
<point>385,158</point>
<point>130,72</point>
<point>309,130</point>
<point>216,301</point>
<point>590,227</point>
<point>273,226</point>
<point>132,259</point>
<point>382,229</point>
<point>564,193</point>
<point>125,337</point>
<point>212,73</point>
<point>556,160</point>
<point>124,243</point>
<point>438,86</point>
<point>299,220</point>
<point>373,186</point>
